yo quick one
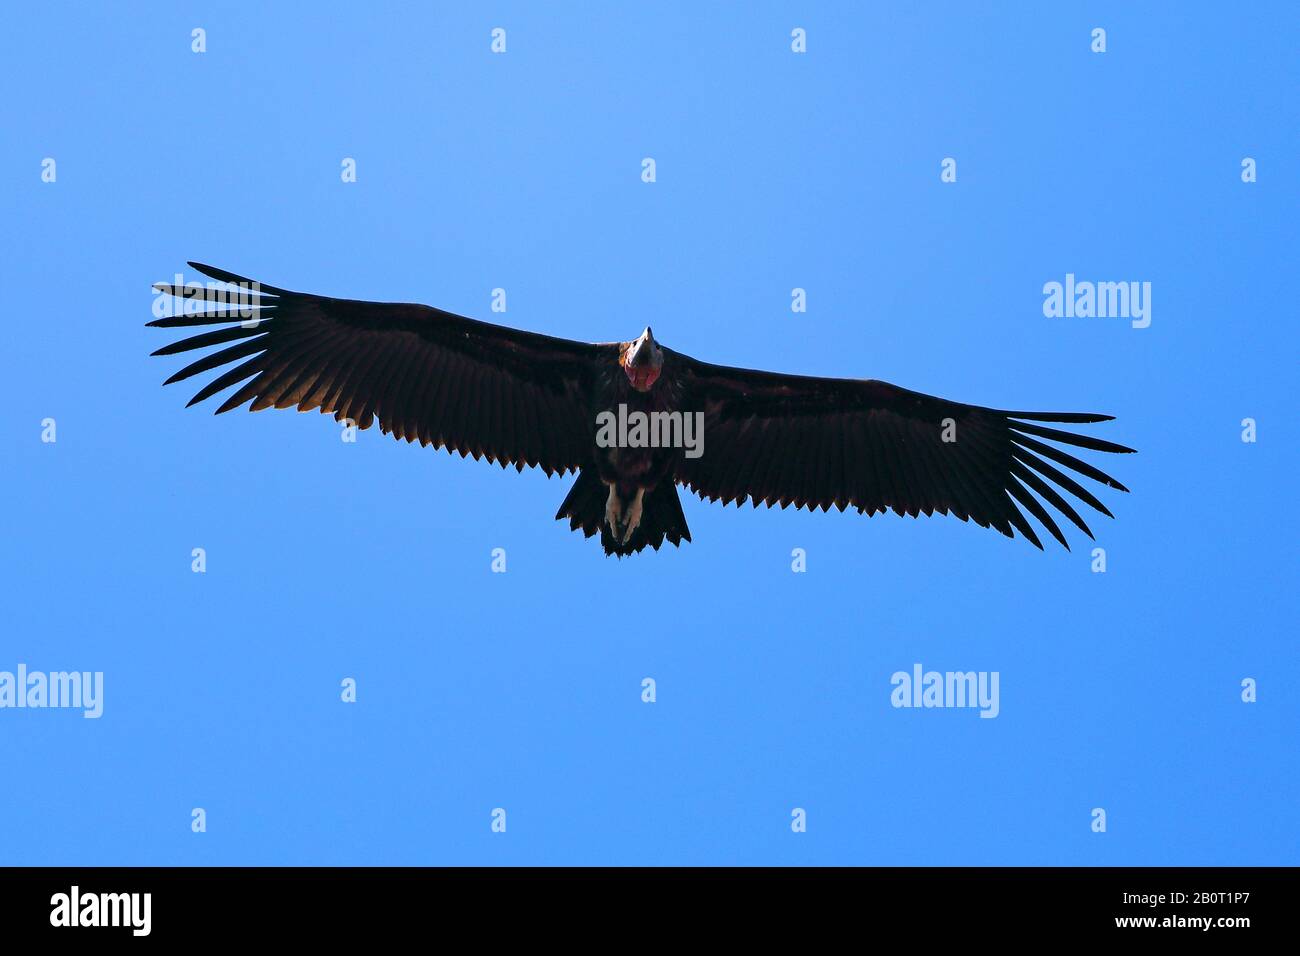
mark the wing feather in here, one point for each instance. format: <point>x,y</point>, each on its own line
<point>820,442</point>
<point>427,375</point>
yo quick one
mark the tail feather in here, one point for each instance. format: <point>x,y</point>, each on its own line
<point>584,505</point>
<point>661,515</point>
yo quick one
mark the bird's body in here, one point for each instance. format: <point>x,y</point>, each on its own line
<point>726,433</point>
<point>630,471</point>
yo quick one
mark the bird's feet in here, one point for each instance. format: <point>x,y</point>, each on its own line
<point>623,513</point>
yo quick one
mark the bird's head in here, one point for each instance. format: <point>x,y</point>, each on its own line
<point>642,361</point>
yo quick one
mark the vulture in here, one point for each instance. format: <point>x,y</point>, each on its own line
<point>633,419</point>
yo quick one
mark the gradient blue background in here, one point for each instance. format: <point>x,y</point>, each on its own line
<point>775,170</point>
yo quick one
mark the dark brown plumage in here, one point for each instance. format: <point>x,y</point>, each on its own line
<point>520,398</point>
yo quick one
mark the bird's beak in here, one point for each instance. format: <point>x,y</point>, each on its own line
<point>642,353</point>
<point>642,368</point>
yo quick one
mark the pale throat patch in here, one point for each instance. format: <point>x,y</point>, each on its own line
<point>623,516</point>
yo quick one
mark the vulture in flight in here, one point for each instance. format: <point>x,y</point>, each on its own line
<point>634,419</point>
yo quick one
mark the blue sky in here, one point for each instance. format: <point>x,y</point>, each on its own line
<point>1118,690</point>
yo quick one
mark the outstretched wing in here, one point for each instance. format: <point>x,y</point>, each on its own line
<point>818,442</point>
<point>427,375</point>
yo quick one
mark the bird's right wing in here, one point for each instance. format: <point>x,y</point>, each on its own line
<point>823,442</point>
<point>427,375</point>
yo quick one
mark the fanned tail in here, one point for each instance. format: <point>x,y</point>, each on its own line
<point>661,515</point>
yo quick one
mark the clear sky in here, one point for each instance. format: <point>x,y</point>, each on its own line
<point>775,170</point>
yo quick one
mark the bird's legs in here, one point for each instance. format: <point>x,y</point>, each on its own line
<point>623,512</point>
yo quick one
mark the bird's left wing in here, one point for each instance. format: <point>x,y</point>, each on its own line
<point>823,442</point>
<point>513,397</point>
